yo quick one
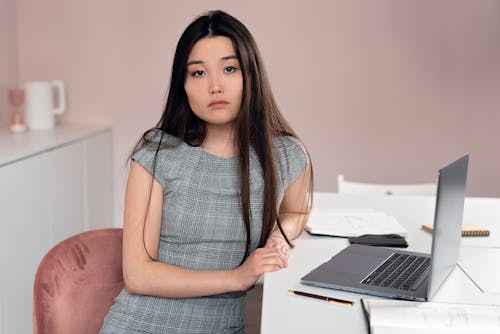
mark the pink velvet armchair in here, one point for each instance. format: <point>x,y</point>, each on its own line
<point>77,281</point>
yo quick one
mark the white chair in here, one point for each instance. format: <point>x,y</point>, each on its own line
<point>360,188</point>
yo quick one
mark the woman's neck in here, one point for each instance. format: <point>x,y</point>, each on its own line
<point>220,142</point>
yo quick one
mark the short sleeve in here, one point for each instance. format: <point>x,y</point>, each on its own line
<point>151,158</point>
<point>146,158</point>
<point>293,159</point>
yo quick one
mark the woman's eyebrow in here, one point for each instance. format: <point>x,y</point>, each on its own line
<point>229,57</point>
<point>194,62</point>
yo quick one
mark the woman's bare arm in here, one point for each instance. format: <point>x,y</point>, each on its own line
<point>294,211</point>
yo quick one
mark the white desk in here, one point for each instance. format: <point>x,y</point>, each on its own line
<point>285,313</point>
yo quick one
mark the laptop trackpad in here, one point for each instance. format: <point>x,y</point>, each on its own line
<point>352,263</point>
<point>357,264</point>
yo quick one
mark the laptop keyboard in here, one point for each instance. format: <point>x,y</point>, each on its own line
<point>400,271</point>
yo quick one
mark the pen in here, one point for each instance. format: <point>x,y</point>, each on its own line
<point>328,299</point>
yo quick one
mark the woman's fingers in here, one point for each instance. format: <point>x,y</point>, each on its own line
<point>262,260</point>
<point>272,256</point>
<point>285,250</point>
<point>280,244</point>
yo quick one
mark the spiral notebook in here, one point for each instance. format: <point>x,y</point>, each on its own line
<point>468,230</point>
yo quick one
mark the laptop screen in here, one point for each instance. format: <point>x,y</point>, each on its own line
<point>447,222</point>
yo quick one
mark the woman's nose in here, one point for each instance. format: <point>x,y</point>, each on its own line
<point>215,89</point>
<point>215,85</point>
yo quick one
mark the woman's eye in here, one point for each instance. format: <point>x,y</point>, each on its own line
<point>198,73</point>
<point>230,69</point>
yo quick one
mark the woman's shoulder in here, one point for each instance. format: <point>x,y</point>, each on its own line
<point>159,152</point>
<point>290,149</point>
<point>286,143</point>
<point>153,137</point>
<point>291,157</point>
<point>155,144</point>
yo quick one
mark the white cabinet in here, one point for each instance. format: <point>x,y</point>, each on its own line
<point>98,180</point>
<point>65,191</point>
<point>24,238</point>
<point>53,184</point>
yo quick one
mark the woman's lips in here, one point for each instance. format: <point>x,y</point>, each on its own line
<point>218,104</point>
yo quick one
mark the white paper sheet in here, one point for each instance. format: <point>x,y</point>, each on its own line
<point>481,264</point>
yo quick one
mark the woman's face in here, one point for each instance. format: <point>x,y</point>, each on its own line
<point>214,82</point>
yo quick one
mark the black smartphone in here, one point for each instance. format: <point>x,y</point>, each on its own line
<point>390,240</point>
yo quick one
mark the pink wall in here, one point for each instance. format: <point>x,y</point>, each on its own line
<point>382,91</point>
<point>8,54</point>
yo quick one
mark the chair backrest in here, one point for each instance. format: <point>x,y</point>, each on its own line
<point>77,281</point>
<point>360,188</point>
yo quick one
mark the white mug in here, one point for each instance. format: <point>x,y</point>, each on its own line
<point>40,111</point>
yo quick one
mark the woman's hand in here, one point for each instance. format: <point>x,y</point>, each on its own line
<point>276,240</point>
<point>263,260</point>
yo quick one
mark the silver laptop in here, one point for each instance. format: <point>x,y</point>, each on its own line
<point>399,274</point>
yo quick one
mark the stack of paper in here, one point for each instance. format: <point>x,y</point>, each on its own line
<point>353,223</point>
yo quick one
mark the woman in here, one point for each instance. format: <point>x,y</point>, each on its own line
<point>216,190</point>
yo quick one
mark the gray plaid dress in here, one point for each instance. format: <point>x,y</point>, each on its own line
<point>202,228</point>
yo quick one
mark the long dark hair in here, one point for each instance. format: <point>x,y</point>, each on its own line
<point>258,122</point>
